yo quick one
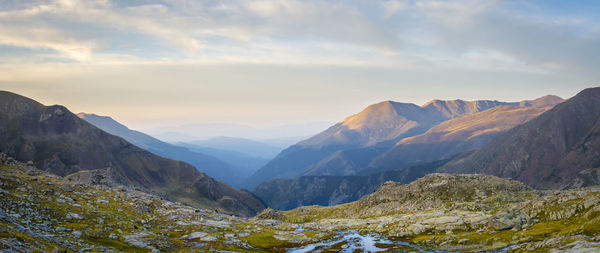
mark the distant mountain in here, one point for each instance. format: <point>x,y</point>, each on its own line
<point>442,141</point>
<point>454,136</point>
<point>558,149</point>
<point>458,108</point>
<point>284,142</point>
<point>210,165</point>
<point>351,145</point>
<point>289,193</point>
<point>249,164</point>
<point>58,141</point>
<point>386,121</point>
<point>209,130</point>
<point>241,145</point>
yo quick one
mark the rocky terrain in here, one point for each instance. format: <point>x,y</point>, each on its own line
<point>467,213</point>
<point>44,212</point>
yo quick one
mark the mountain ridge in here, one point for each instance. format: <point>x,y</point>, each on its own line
<point>456,135</point>
<point>211,165</point>
<point>378,126</point>
<point>57,141</point>
<point>546,152</point>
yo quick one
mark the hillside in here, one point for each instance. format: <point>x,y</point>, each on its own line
<point>558,149</point>
<point>289,193</point>
<point>57,141</point>
<point>464,213</point>
<point>454,136</point>
<point>351,145</point>
<point>42,212</point>
<point>210,165</point>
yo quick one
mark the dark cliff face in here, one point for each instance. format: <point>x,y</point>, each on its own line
<point>547,152</point>
<point>59,142</point>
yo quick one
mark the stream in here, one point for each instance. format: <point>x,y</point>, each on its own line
<point>351,240</point>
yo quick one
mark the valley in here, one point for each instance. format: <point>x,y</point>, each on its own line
<point>299,126</point>
<point>381,193</point>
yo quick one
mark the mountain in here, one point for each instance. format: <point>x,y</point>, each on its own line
<point>385,121</point>
<point>439,144</point>
<point>241,145</point>
<point>57,141</point>
<point>246,163</point>
<point>558,149</point>
<point>351,145</point>
<point>458,108</point>
<point>454,136</point>
<point>210,165</point>
<point>210,130</point>
<point>289,193</point>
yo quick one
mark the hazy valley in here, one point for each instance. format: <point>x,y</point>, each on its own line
<point>371,182</point>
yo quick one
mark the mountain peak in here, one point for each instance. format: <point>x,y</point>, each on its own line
<point>548,100</point>
<point>377,114</point>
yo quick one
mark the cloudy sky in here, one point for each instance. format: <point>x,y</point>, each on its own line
<point>268,63</point>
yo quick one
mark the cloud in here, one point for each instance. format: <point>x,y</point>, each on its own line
<point>471,34</point>
<point>531,41</point>
<point>392,7</point>
<point>46,38</point>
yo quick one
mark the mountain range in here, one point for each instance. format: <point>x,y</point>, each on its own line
<point>280,136</point>
<point>364,143</point>
<point>242,145</point>
<point>558,149</point>
<point>541,145</point>
<point>57,141</point>
<point>211,165</point>
<point>456,135</point>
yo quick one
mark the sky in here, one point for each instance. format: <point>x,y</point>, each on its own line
<point>267,63</point>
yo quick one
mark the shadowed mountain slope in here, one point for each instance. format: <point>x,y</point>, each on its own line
<point>351,145</point>
<point>550,151</point>
<point>454,136</point>
<point>58,141</point>
<point>210,165</point>
<point>379,123</point>
<point>289,193</point>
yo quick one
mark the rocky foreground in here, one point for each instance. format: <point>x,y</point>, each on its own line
<point>44,212</point>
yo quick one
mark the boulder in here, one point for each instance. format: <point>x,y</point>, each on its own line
<point>513,219</point>
<point>270,214</point>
